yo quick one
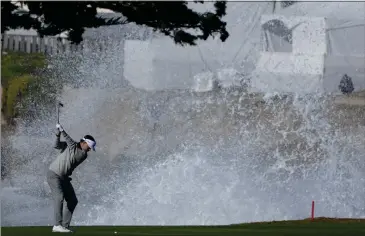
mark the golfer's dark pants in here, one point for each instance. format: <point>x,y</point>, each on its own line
<point>62,190</point>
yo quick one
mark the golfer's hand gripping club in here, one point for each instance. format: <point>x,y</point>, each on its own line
<point>59,127</point>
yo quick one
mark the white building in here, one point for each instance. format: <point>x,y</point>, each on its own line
<point>327,42</point>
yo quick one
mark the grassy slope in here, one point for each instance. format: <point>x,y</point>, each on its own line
<point>282,228</point>
<point>18,70</point>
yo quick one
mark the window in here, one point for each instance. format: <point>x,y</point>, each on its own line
<point>276,36</point>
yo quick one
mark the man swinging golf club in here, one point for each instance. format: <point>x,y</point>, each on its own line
<point>58,176</point>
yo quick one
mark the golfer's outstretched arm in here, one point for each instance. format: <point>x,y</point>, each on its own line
<point>58,144</point>
<point>70,142</point>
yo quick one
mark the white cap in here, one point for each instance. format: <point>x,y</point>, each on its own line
<point>90,143</point>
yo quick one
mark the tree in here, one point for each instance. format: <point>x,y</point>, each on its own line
<point>173,19</point>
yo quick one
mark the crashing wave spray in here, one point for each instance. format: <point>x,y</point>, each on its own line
<point>264,164</point>
<point>179,157</point>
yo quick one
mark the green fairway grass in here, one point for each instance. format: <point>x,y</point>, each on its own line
<point>322,227</point>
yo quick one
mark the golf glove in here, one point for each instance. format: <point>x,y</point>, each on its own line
<point>59,127</point>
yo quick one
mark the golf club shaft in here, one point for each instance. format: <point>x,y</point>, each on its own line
<point>58,111</point>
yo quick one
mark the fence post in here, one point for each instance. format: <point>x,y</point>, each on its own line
<point>34,44</point>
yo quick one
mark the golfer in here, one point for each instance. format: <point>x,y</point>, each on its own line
<point>58,176</point>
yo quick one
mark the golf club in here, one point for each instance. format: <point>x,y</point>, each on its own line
<point>59,104</point>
